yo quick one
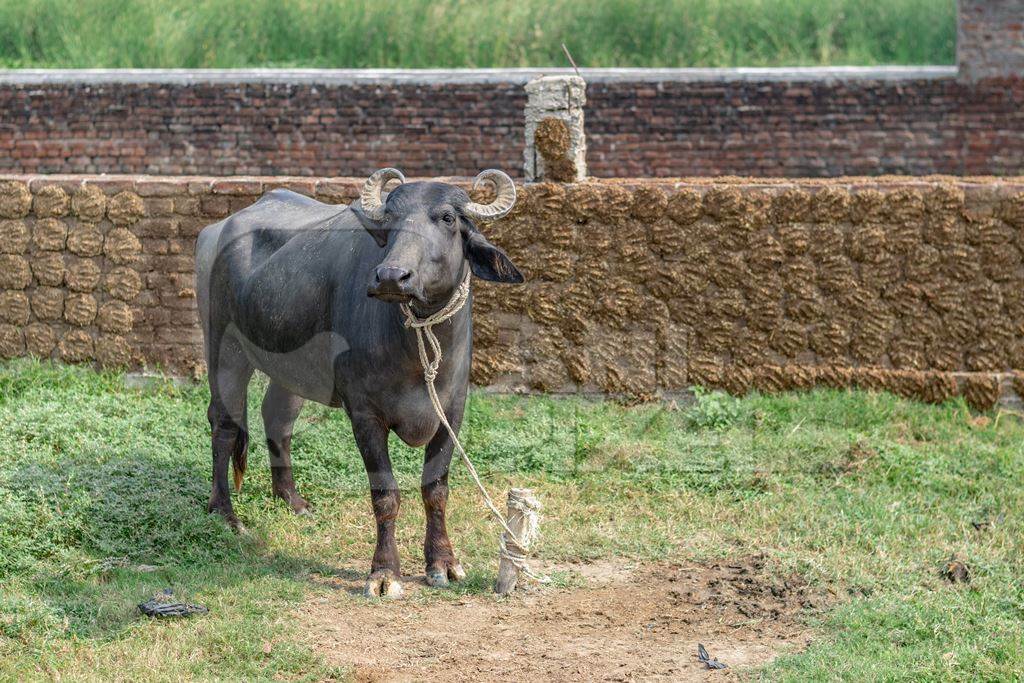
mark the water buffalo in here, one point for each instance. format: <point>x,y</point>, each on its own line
<point>309,293</point>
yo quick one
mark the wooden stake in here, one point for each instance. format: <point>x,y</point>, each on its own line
<point>523,518</point>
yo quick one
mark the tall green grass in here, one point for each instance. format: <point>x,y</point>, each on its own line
<point>469,33</point>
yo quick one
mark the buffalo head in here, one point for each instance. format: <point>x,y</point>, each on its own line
<point>427,232</point>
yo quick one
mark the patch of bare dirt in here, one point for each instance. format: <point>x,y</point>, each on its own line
<point>623,625</point>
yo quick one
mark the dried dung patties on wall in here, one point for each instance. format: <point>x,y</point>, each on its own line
<point>880,285</point>
<point>634,288</point>
<point>51,288</point>
<point>552,141</point>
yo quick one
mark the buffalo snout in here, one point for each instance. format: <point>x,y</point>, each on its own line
<point>392,283</point>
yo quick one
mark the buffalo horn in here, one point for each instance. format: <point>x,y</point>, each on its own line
<point>369,197</point>
<point>501,205</point>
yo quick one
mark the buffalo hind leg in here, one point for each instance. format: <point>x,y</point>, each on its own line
<point>385,571</point>
<point>280,410</point>
<point>442,565</point>
<point>230,373</point>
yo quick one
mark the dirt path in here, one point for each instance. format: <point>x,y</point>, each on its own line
<point>623,625</point>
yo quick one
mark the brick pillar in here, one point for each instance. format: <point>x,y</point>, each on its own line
<point>990,39</point>
<point>556,147</point>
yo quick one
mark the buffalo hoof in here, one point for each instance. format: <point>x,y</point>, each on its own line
<point>439,577</point>
<point>383,584</point>
<point>229,518</point>
<point>302,508</point>
<point>296,502</point>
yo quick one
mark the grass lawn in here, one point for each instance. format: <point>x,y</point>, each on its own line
<point>457,33</point>
<point>864,493</point>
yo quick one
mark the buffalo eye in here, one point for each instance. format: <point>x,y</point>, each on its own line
<point>448,217</point>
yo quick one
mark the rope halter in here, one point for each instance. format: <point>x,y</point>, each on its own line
<point>514,549</point>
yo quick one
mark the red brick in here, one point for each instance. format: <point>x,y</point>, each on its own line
<point>158,188</point>
<point>215,207</point>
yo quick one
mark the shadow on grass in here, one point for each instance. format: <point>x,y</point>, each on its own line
<point>83,541</point>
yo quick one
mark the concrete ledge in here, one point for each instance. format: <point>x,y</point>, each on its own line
<point>254,185</point>
<point>457,76</point>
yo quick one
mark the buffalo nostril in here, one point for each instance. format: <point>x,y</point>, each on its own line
<point>392,274</point>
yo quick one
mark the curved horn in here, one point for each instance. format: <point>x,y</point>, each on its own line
<point>369,196</point>
<point>501,205</point>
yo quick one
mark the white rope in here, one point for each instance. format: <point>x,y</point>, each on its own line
<point>525,508</point>
<point>514,552</point>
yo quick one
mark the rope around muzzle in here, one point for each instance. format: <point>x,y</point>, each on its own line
<point>514,549</point>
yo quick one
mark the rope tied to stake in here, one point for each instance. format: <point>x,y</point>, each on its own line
<point>523,515</point>
<point>512,546</point>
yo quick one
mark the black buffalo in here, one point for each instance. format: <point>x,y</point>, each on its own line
<point>309,293</point>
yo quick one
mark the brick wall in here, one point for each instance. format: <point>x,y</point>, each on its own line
<point>272,127</point>
<point>634,287</point>
<point>816,128</point>
<point>668,124</point>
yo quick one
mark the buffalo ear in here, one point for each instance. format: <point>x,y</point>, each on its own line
<point>488,262</point>
<point>379,234</point>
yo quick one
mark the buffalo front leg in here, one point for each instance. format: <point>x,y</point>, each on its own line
<point>280,409</point>
<point>442,565</point>
<point>385,572</point>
